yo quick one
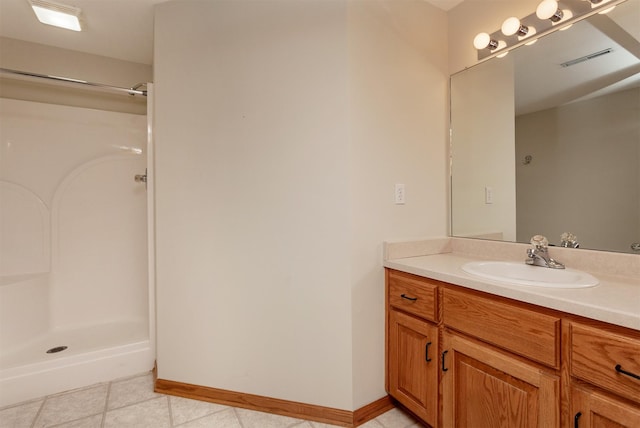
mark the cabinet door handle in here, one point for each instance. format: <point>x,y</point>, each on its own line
<point>404,296</point>
<point>624,372</point>
<point>575,419</point>
<point>426,352</point>
<point>444,353</point>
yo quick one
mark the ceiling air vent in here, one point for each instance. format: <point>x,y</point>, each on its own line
<point>586,57</point>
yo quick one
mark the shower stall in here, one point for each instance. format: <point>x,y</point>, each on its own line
<point>76,241</point>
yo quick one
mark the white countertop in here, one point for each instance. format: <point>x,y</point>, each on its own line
<point>615,300</point>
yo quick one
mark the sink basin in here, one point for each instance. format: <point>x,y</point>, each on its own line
<point>524,274</point>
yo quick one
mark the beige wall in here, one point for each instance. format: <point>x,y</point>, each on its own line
<point>281,129</point>
<point>398,118</point>
<point>41,59</point>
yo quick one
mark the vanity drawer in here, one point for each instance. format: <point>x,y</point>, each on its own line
<point>512,327</point>
<point>412,294</point>
<point>595,354</point>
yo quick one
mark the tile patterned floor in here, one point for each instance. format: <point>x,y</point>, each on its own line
<point>131,403</point>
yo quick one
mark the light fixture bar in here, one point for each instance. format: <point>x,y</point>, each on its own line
<point>572,11</point>
<point>586,57</point>
<point>57,14</point>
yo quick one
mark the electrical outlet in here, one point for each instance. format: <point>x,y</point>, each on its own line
<point>399,194</point>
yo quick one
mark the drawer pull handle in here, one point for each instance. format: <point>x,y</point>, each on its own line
<point>624,372</point>
<point>575,419</point>
<point>444,353</point>
<point>426,352</point>
<point>404,296</point>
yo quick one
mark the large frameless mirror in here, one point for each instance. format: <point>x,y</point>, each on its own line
<point>546,140</point>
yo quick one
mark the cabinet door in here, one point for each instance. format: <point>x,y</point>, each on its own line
<point>412,366</point>
<point>590,409</point>
<point>483,387</point>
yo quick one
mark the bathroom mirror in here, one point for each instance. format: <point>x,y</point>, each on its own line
<point>547,139</point>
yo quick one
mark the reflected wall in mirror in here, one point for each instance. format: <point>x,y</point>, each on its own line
<point>544,147</point>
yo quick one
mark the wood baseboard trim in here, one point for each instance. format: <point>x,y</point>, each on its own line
<point>372,410</point>
<point>276,406</point>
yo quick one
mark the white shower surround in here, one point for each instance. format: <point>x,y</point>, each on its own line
<point>74,268</point>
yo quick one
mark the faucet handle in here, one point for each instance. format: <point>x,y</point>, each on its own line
<point>539,241</point>
<point>569,240</point>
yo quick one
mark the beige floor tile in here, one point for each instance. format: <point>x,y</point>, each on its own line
<point>223,419</point>
<point>70,406</point>
<point>372,424</point>
<point>253,419</point>
<point>185,410</point>
<point>132,403</point>
<point>132,390</point>
<point>319,425</point>
<point>153,413</point>
<point>21,416</point>
<point>90,422</point>
<point>395,418</point>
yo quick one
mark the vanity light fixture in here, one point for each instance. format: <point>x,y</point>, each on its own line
<point>57,14</point>
<point>549,9</point>
<point>549,16</point>
<point>512,26</point>
<point>484,41</point>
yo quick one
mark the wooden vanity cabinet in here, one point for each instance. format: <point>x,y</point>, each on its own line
<point>412,365</point>
<point>463,358</point>
<point>483,387</point>
<point>590,408</point>
<point>605,371</point>
<point>412,344</point>
<point>492,363</point>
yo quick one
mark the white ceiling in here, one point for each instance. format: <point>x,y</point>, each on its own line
<point>121,29</point>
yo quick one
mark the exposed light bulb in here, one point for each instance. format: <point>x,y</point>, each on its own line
<point>483,41</point>
<point>548,9</point>
<point>512,26</point>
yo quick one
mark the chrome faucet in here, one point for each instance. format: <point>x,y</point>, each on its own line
<point>539,254</point>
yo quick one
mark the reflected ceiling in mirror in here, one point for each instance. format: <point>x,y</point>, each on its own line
<point>547,139</point>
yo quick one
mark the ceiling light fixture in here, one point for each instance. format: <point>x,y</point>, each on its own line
<point>57,14</point>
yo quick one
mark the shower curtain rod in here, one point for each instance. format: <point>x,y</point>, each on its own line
<point>130,91</point>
